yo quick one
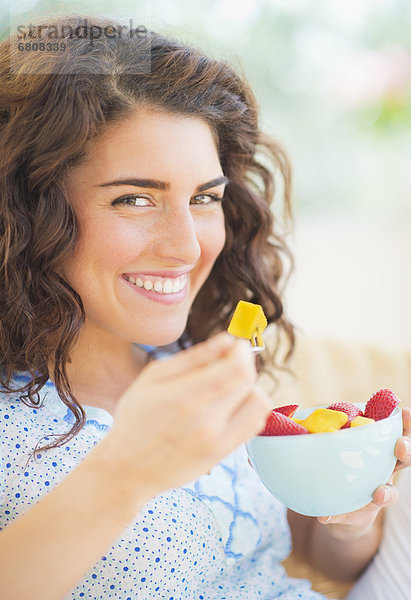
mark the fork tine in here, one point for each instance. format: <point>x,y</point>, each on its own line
<point>257,348</point>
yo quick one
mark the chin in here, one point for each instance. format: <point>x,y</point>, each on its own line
<point>161,338</point>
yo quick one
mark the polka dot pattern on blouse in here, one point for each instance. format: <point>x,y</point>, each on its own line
<point>219,537</point>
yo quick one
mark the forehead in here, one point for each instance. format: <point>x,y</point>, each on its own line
<point>153,142</point>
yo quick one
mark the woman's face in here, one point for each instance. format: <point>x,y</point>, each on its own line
<point>149,226</point>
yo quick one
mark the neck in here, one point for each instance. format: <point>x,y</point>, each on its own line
<point>102,366</point>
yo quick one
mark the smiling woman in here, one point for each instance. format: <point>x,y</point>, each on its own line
<point>135,210</point>
<point>77,135</point>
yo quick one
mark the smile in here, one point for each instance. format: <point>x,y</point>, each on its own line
<point>161,285</point>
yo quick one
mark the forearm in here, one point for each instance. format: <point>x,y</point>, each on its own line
<point>44,553</point>
<point>338,558</point>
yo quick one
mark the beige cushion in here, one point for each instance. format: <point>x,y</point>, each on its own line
<point>326,371</point>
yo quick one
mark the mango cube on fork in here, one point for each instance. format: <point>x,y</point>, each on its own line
<point>249,322</point>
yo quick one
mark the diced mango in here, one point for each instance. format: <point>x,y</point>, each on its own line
<point>248,321</point>
<point>299,421</point>
<point>324,420</point>
<point>358,421</point>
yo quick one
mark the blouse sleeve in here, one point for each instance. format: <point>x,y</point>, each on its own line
<point>2,465</point>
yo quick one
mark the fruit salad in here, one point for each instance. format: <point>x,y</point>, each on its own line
<point>340,415</point>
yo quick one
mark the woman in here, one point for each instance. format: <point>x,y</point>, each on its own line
<point>136,213</point>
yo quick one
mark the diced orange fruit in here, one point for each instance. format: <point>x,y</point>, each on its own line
<point>248,321</point>
<point>361,421</point>
<point>324,420</point>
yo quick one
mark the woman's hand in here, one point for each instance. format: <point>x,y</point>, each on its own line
<point>183,414</point>
<point>354,525</point>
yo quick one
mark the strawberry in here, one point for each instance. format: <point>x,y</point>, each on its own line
<point>279,424</point>
<point>381,405</point>
<point>349,409</point>
<point>288,410</point>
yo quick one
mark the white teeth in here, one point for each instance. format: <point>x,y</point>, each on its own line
<point>180,283</point>
<point>167,286</point>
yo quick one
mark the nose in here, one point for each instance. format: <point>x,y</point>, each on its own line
<point>176,237</point>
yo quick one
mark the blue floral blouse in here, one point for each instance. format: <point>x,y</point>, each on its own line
<point>220,537</point>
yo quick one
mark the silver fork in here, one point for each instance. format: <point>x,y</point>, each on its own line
<point>257,343</point>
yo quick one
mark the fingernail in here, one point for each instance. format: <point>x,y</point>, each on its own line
<point>326,519</point>
<point>387,495</point>
<point>407,443</point>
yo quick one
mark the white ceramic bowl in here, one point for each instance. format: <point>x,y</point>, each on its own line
<point>321,474</point>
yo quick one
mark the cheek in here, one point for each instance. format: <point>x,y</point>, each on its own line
<point>104,245</point>
<point>213,240</point>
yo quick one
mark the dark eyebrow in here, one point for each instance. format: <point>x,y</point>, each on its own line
<point>163,185</point>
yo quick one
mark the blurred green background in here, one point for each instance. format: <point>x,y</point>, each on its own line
<point>333,80</point>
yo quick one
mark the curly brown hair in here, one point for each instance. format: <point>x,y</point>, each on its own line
<point>51,106</point>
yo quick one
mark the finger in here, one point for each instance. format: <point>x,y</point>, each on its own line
<point>402,452</point>
<point>324,520</point>
<point>352,525</point>
<point>195,356</point>
<point>218,405</point>
<point>356,518</point>
<point>406,421</point>
<point>247,420</point>
<point>402,448</point>
<point>220,378</point>
<point>385,495</point>
<point>227,407</point>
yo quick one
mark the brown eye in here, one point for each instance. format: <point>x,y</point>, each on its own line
<point>209,199</point>
<point>132,201</point>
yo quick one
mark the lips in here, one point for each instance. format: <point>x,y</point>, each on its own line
<point>157,275</point>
